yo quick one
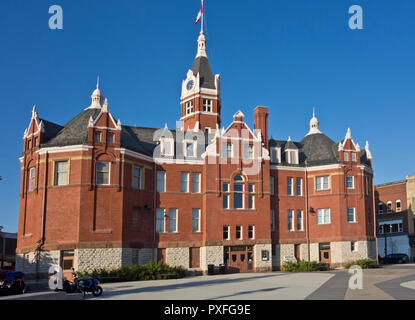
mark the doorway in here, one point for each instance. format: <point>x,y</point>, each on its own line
<point>67,264</point>
<point>325,253</point>
<point>239,259</point>
<point>297,252</point>
<point>194,258</point>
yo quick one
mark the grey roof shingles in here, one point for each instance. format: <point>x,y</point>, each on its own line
<point>201,65</point>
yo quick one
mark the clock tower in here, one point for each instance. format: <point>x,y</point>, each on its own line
<point>200,99</point>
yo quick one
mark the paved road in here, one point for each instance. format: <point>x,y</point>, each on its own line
<point>388,283</point>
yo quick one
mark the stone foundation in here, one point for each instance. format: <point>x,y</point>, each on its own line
<point>210,255</point>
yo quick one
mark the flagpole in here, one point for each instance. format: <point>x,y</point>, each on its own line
<point>203,16</point>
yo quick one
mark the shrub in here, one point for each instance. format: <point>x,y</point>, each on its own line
<point>363,263</point>
<point>305,266</point>
<point>150,271</point>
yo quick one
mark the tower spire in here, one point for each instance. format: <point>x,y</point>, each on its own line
<point>201,41</point>
<point>314,123</point>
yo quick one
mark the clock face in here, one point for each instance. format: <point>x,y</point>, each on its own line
<point>190,85</point>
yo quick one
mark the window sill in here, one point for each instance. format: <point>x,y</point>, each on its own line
<point>102,232</point>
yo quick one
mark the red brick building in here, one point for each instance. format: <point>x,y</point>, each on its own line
<point>99,194</point>
<point>395,217</point>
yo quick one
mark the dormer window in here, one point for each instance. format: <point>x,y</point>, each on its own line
<point>166,147</point>
<point>190,149</point>
<point>292,156</point>
<point>276,155</point>
<point>189,107</point>
<point>207,105</point>
<point>249,151</point>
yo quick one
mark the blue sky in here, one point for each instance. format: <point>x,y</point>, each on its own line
<point>289,55</point>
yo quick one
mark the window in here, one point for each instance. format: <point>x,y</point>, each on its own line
<point>323,216</point>
<point>398,206</point>
<point>110,138</point>
<point>271,184</point>
<point>190,149</point>
<point>29,144</point>
<point>353,246</point>
<point>137,178</point>
<point>380,207</point>
<point>32,179</point>
<point>184,182</point>
<point>207,131</point>
<point>275,155</point>
<point>166,147</point>
<point>265,255</point>
<point>251,232</point>
<point>299,187</point>
<point>196,220</point>
<point>103,173</point>
<point>61,173</point>
<point>173,220</point>
<point>322,183</point>
<point>292,157</point>
<point>238,233</point>
<point>346,156</point>
<point>226,196</point>
<point>354,157</point>
<point>351,215</point>
<point>226,233</point>
<point>251,196</point>
<point>395,226</point>
<point>160,220</point>
<point>196,183</point>
<point>97,136</point>
<point>389,204</point>
<point>350,182</point>
<point>290,186</point>
<point>248,151</point>
<point>272,220</point>
<point>189,107</point>
<point>227,150</point>
<point>300,220</point>
<point>238,193</point>
<point>161,177</point>
<point>207,105</point>
<point>290,220</point>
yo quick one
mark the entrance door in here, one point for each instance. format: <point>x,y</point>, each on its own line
<point>67,264</point>
<point>325,253</point>
<point>194,257</point>
<point>239,259</point>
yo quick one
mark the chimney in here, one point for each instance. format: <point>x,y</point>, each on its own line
<point>261,123</point>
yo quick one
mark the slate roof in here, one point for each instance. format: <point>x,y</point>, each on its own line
<point>201,65</point>
<point>314,150</point>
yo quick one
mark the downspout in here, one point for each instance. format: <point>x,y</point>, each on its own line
<point>306,213</point>
<point>374,218</point>
<point>154,210</point>
<point>43,220</point>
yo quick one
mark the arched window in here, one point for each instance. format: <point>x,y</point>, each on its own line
<point>238,192</point>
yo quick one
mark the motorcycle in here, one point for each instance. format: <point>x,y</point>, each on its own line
<point>84,285</point>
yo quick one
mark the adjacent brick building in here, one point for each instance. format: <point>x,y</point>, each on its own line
<point>99,194</point>
<point>395,202</point>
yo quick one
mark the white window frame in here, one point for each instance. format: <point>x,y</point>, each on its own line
<point>207,105</point>
<point>352,187</point>
<point>346,157</point>
<point>241,233</point>
<point>158,181</point>
<point>398,209</point>
<point>354,157</point>
<point>292,213</point>
<point>158,210</point>
<point>291,193</point>
<point>276,155</point>
<point>198,180</point>
<point>354,215</point>
<point>301,187</point>
<point>227,150</point>
<point>198,220</point>
<point>248,151</point>
<point>389,207</point>
<point>194,147</point>
<point>324,211</point>
<point>185,182</point>
<point>176,212</point>
<point>253,232</point>
<point>302,220</point>
<point>228,231</point>
<point>167,152</point>
<point>57,173</point>
<point>189,107</point>
<point>322,183</point>
<point>380,205</point>
<point>109,174</point>
<point>32,180</point>
<point>139,186</point>
<point>292,156</point>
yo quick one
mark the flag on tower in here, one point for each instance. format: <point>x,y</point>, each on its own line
<point>199,15</point>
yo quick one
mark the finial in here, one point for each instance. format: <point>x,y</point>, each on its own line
<point>314,112</point>
<point>97,82</point>
<point>348,134</point>
<point>105,106</point>
<point>34,112</point>
<point>90,122</point>
<point>314,124</point>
